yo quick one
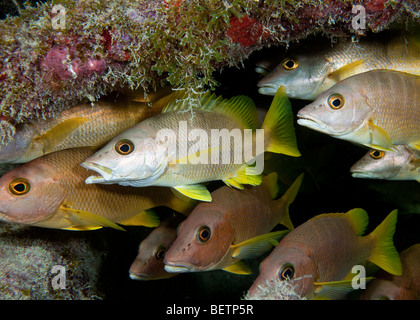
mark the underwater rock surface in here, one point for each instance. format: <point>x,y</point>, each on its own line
<point>28,257</point>
<point>55,57</point>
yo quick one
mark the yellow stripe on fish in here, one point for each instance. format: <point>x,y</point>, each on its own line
<point>308,71</point>
<point>50,192</point>
<point>84,125</point>
<point>318,256</point>
<point>236,225</point>
<point>182,150</point>
<point>378,109</point>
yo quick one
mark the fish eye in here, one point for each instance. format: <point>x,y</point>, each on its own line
<point>376,154</point>
<point>336,101</point>
<point>124,147</point>
<point>160,253</point>
<point>19,186</point>
<point>203,234</point>
<point>289,64</point>
<point>287,272</point>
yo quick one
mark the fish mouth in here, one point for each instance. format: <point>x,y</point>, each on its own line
<point>105,174</point>
<point>361,174</point>
<point>312,123</point>
<point>138,276</point>
<point>267,90</point>
<point>178,268</point>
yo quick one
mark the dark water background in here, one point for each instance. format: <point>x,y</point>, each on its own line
<point>327,187</point>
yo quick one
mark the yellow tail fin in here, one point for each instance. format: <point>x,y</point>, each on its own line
<point>278,126</point>
<point>384,254</point>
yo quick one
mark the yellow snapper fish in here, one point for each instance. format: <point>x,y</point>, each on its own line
<point>318,256</point>
<point>310,71</point>
<point>148,265</point>
<point>83,125</point>
<point>50,192</point>
<point>386,286</point>
<point>377,109</point>
<point>235,226</point>
<point>403,164</point>
<point>141,156</point>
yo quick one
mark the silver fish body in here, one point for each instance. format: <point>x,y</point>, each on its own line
<point>83,125</point>
<point>403,164</point>
<point>312,70</point>
<point>182,149</point>
<point>377,109</point>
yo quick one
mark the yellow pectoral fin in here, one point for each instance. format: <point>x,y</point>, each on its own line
<point>416,146</point>
<point>379,138</point>
<point>60,133</point>
<point>195,191</point>
<point>238,268</point>
<point>245,175</point>
<point>147,218</point>
<point>347,71</point>
<point>256,246</point>
<point>84,220</point>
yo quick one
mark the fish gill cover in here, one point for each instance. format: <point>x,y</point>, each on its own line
<point>60,53</point>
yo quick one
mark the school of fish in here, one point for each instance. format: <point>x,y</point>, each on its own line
<point>115,162</point>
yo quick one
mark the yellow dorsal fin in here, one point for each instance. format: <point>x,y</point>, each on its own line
<point>238,268</point>
<point>279,127</point>
<point>347,71</point>
<point>384,254</point>
<point>270,182</point>
<point>147,218</point>
<point>58,134</point>
<point>256,246</point>
<point>357,217</point>
<point>240,108</point>
<point>84,220</point>
<point>287,199</point>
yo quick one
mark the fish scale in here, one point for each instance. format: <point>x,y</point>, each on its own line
<point>179,149</point>
<point>83,125</point>
<point>322,66</point>
<point>201,172</point>
<point>65,178</point>
<point>239,222</point>
<point>319,237</point>
<point>379,109</point>
<point>386,106</point>
<point>318,255</point>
